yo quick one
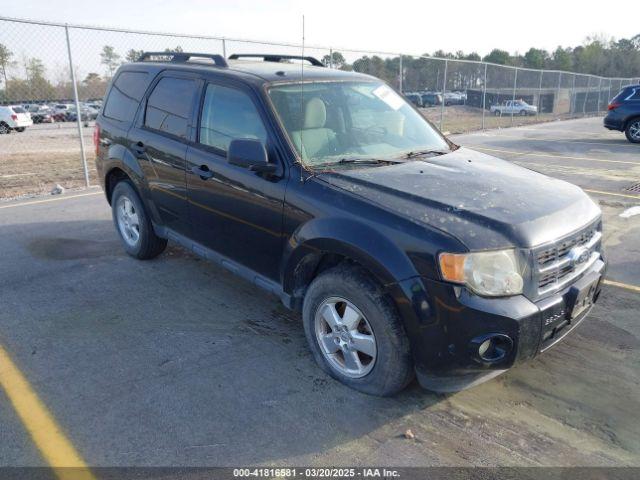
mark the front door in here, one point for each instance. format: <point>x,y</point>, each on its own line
<point>234,211</point>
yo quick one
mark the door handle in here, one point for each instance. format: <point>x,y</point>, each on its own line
<point>138,148</point>
<point>203,172</point>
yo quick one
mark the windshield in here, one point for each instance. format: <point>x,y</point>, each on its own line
<point>333,121</point>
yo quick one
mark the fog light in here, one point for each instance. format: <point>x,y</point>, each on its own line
<point>491,348</point>
<point>484,346</point>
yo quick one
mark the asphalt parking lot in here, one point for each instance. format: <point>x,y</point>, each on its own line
<point>176,362</point>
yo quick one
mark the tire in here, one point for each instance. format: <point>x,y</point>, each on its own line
<point>21,129</point>
<point>388,368</point>
<point>523,113</point>
<point>4,129</point>
<point>632,131</point>
<point>497,113</point>
<point>134,227</point>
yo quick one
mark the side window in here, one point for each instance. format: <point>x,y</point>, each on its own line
<point>125,94</point>
<point>169,106</point>
<point>227,114</point>
<point>635,94</point>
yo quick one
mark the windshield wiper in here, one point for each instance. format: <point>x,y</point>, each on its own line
<point>347,161</point>
<point>420,153</point>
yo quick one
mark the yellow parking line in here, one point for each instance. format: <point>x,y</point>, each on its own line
<point>601,192</point>
<point>564,157</point>
<point>57,199</point>
<point>626,286</point>
<point>42,427</point>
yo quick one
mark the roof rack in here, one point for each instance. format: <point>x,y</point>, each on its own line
<point>268,57</point>
<point>181,57</point>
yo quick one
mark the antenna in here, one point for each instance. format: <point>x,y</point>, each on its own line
<point>302,102</point>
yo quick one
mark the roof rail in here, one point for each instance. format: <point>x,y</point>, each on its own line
<point>268,57</point>
<point>181,57</point>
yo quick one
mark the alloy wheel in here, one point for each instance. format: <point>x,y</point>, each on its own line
<point>345,337</point>
<point>128,221</point>
<point>634,130</point>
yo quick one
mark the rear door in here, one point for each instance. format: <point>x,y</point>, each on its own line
<point>120,108</point>
<point>234,211</point>
<point>159,141</point>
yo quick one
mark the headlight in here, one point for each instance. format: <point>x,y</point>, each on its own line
<point>492,274</point>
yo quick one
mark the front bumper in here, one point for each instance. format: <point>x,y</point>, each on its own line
<point>445,336</point>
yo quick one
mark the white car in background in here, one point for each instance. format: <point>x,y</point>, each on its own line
<point>14,118</point>
<point>514,107</point>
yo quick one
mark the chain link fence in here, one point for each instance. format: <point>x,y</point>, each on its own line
<point>57,74</point>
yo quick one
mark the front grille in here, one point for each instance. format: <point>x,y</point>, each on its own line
<point>559,263</point>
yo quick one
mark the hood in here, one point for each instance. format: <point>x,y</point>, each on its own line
<point>481,200</point>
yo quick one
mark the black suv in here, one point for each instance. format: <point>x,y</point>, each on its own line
<point>403,252</point>
<point>624,113</point>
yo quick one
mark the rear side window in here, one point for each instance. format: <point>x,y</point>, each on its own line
<point>169,106</point>
<point>227,114</point>
<point>125,95</point>
<point>19,110</point>
<point>634,94</point>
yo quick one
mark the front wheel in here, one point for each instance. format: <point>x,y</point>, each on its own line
<point>21,129</point>
<point>355,333</point>
<point>633,131</point>
<point>4,129</point>
<point>497,113</point>
<point>133,224</point>
<point>523,113</point>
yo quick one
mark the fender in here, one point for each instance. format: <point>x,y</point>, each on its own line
<point>384,259</point>
<point>120,157</point>
<point>350,238</point>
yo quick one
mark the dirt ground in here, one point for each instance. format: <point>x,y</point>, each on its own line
<point>463,119</point>
<point>34,161</point>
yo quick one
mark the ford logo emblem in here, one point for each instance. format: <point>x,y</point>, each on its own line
<point>578,255</point>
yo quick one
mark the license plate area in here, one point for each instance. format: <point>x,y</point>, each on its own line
<point>580,296</point>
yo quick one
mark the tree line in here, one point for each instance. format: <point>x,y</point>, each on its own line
<point>597,56</point>
<point>33,82</point>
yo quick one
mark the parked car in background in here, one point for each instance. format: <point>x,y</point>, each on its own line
<point>453,98</point>
<point>62,109</point>
<point>90,112</point>
<point>41,114</point>
<point>14,118</point>
<point>624,113</point>
<point>430,99</point>
<point>414,98</point>
<point>85,115</point>
<point>514,107</point>
<point>94,106</point>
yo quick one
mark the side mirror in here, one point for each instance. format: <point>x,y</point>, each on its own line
<point>249,154</point>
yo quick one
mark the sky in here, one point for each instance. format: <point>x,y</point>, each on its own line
<point>412,27</point>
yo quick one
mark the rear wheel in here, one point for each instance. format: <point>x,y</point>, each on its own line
<point>4,128</point>
<point>20,129</point>
<point>133,224</point>
<point>497,113</point>
<point>523,113</point>
<point>355,333</point>
<point>633,131</point>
